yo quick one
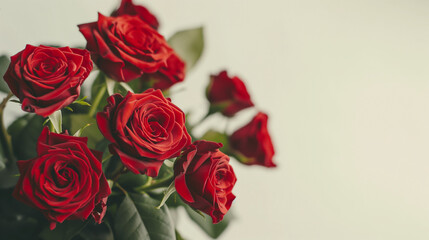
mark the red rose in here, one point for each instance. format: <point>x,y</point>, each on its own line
<point>145,129</point>
<point>167,76</point>
<point>227,95</point>
<point>46,79</point>
<point>65,180</point>
<point>204,179</point>
<point>125,47</point>
<point>252,144</point>
<point>128,8</point>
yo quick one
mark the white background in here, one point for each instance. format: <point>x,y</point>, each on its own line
<point>345,84</point>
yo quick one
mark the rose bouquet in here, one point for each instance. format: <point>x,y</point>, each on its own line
<point>113,157</point>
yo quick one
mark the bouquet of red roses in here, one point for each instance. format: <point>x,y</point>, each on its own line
<point>116,161</point>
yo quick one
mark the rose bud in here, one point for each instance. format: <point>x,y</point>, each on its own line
<point>227,95</point>
<point>64,181</point>
<point>125,47</point>
<point>252,144</point>
<point>47,79</point>
<point>145,129</point>
<point>127,7</point>
<point>167,76</point>
<point>204,179</point>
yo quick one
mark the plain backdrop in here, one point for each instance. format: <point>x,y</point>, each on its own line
<point>346,86</point>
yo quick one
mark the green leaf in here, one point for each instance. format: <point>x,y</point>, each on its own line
<point>56,119</point>
<point>128,223</point>
<point>17,220</point>
<point>4,64</point>
<point>178,236</point>
<point>8,172</point>
<point>24,132</point>
<point>75,122</point>
<point>64,231</point>
<point>16,126</point>
<point>167,193</point>
<point>189,45</point>
<point>205,222</point>
<point>79,132</point>
<point>164,171</point>
<point>8,176</point>
<point>82,102</point>
<point>215,136</point>
<point>112,166</point>
<point>95,231</point>
<point>158,221</point>
<point>137,85</point>
<point>137,218</point>
<point>130,180</point>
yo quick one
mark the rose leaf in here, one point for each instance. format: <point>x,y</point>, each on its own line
<point>4,64</point>
<point>189,45</point>
<point>204,221</point>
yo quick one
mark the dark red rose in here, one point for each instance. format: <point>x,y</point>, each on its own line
<point>227,95</point>
<point>125,47</point>
<point>167,76</point>
<point>204,179</point>
<point>65,180</point>
<point>46,79</point>
<point>145,129</point>
<point>127,7</point>
<point>252,144</point>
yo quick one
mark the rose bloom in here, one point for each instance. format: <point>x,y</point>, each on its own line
<point>64,181</point>
<point>227,95</point>
<point>125,47</point>
<point>204,179</point>
<point>46,79</point>
<point>167,76</point>
<point>145,129</point>
<point>252,144</point>
<point>127,7</point>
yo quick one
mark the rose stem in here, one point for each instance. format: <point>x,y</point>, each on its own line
<point>97,100</point>
<point>5,138</point>
<point>164,182</point>
<point>202,120</point>
<point>121,188</point>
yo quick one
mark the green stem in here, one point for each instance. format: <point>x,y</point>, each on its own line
<point>121,188</point>
<point>202,119</point>
<point>119,173</point>
<point>97,100</point>
<point>164,182</point>
<point>4,136</point>
<point>107,157</point>
<point>148,182</point>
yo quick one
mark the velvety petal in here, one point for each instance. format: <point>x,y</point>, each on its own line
<point>65,181</point>
<point>204,179</point>
<point>145,130</point>
<point>252,143</point>
<point>138,165</point>
<point>182,188</point>
<point>227,95</point>
<point>46,79</point>
<point>120,54</point>
<point>128,8</point>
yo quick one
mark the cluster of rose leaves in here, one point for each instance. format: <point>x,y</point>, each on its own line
<point>66,180</point>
